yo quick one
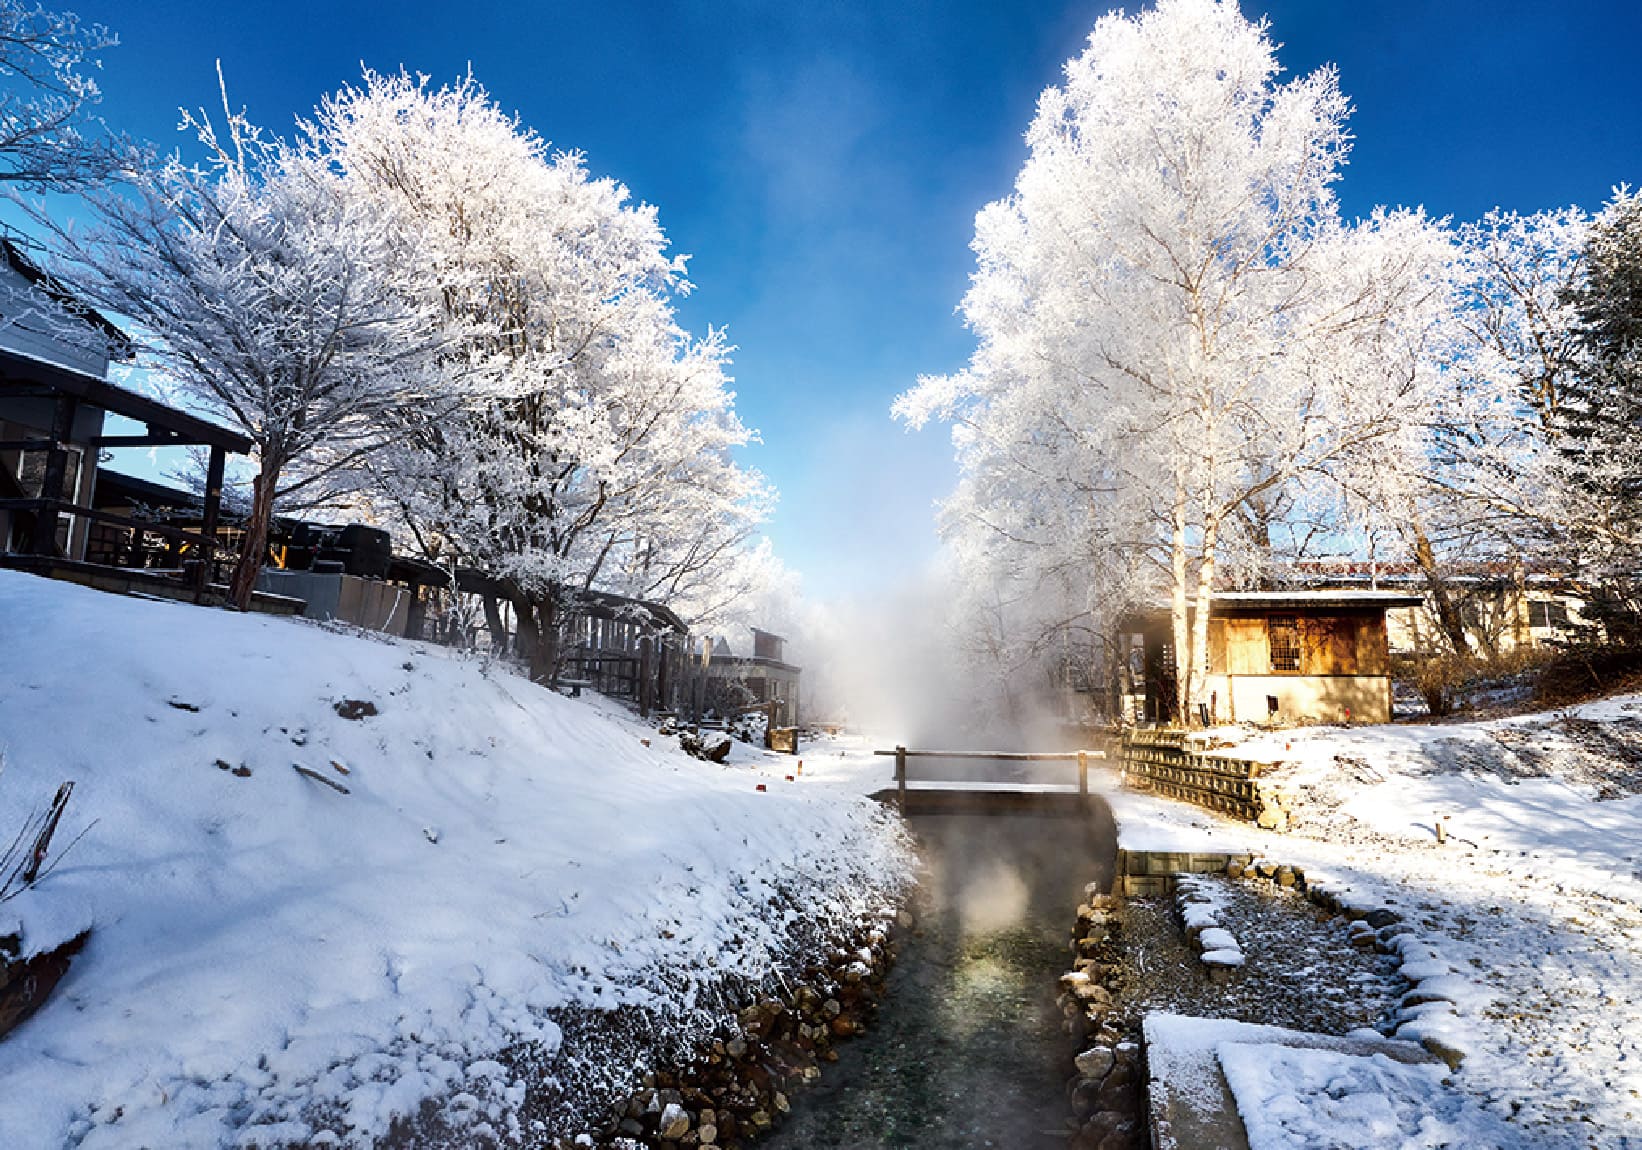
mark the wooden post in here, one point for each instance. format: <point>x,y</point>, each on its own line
<point>1083,772</point>
<point>416,614</point>
<point>646,669</point>
<point>901,776</point>
<point>51,483</point>
<point>664,672</point>
<point>208,525</point>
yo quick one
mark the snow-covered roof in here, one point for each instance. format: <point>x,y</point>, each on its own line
<point>1291,601</point>
<point>1349,598</point>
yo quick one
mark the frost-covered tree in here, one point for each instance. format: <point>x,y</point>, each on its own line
<point>48,137</point>
<point>268,298</point>
<point>1474,476</point>
<point>1600,410</point>
<point>1173,322</point>
<point>590,445</point>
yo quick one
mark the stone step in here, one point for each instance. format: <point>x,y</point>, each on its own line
<point>1190,1103</point>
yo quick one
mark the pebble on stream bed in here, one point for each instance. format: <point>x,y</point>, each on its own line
<point>1301,968</point>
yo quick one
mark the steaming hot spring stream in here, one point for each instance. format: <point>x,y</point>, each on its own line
<point>969,1050</point>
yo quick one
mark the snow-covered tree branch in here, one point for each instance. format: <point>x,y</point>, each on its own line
<point>269,298</point>
<point>49,141</point>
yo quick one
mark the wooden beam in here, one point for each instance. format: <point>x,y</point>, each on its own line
<point>64,507</point>
<point>27,444</point>
<point>20,389</point>
<point>22,375</point>
<point>416,613</point>
<point>152,439</point>
<point>645,683</point>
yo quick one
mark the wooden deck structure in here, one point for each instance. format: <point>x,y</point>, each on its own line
<point>33,515</point>
<point>55,354</point>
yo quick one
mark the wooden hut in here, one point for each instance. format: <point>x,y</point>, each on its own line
<point>1282,657</point>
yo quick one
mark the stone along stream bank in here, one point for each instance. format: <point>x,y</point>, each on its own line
<point>969,1049</point>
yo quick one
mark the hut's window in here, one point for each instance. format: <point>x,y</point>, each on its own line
<point>1547,614</point>
<point>1284,633</point>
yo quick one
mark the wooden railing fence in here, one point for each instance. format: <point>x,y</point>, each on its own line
<point>902,754</point>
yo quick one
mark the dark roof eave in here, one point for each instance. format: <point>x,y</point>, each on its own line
<point>752,661</point>
<point>1234,602</point>
<point>22,370</point>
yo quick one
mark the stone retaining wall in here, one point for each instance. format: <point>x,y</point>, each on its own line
<point>736,1088</point>
<point>1168,763</point>
<point>1150,874</point>
<point>1105,1089</point>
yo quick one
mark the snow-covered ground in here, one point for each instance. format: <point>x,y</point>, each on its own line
<point>273,960</point>
<point>1533,901</point>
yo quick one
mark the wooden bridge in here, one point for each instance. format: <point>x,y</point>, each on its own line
<point>930,796</point>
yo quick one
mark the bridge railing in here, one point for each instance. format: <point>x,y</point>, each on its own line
<point>902,754</point>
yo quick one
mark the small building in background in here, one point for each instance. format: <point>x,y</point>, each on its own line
<point>763,677</point>
<point>1280,657</point>
<point>1501,606</point>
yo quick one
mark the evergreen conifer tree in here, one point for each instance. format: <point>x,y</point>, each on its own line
<point>1600,418</point>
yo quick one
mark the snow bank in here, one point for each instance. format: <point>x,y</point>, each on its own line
<point>1519,785</point>
<point>274,959</point>
<point>1327,1100</point>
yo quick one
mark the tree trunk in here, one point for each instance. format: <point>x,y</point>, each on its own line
<point>493,623</point>
<point>1448,612</point>
<point>1177,604</point>
<point>544,634</point>
<point>1199,654</point>
<point>526,640</point>
<point>254,547</point>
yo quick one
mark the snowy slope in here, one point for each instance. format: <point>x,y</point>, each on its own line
<point>272,957</point>
<point>1555,787</point>
<point>1533,900</point>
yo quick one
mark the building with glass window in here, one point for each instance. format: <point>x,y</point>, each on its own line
<point>1281,657</point>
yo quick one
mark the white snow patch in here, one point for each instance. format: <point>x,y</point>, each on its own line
<point>1325,1100</point>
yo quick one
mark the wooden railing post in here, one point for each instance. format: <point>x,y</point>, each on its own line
<point>208,523</point>
<point>1083,772</point>
<point>901,776</point>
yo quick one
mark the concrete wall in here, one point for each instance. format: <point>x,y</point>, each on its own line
<point>1302,698</point>
<point>368,603</point>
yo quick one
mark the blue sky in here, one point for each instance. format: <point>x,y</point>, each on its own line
<point>822,163</point>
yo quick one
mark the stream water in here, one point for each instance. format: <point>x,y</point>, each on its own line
<point>968,1049</point>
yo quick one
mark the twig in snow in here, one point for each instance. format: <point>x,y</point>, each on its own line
<point>319,778</point>
<point>55,863</point>
<point>42,842</point>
